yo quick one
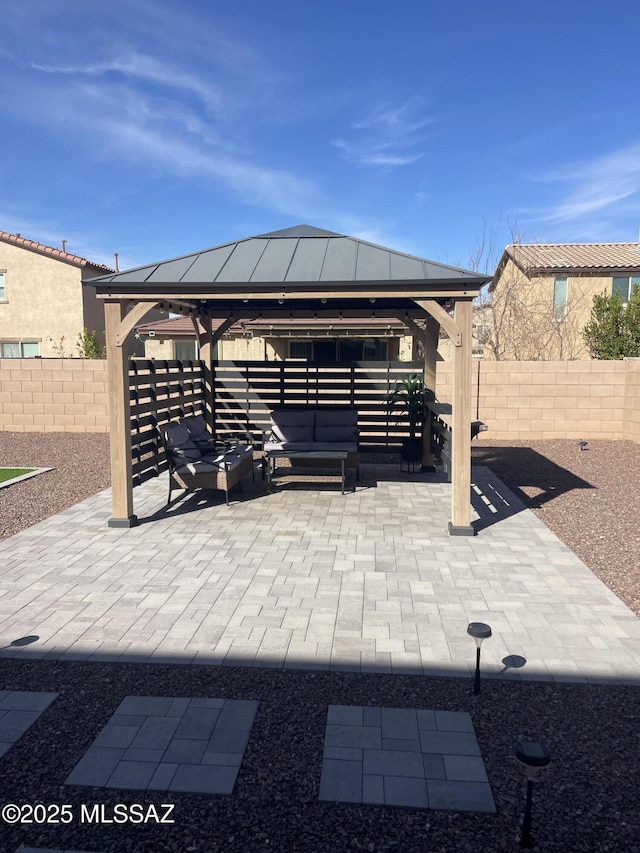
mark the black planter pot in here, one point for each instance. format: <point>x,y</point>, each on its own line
<point>411,455</point>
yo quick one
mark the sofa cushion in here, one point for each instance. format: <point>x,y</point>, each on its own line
<point>292,425</point>
<point>197,429</point>
<point>179,444</point>
<point>336,433</point>
<point>336,417</point>
<point>339,425</point>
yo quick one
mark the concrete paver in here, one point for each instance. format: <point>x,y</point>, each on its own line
<point>161,743</point>
<point>19,709</point>
<point>426,768</point>
<point>307,578</point>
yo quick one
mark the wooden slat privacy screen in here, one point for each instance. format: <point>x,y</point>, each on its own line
<point>246,391</point>
<point>159,392</point>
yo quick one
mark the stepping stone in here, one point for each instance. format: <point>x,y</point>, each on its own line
<point>19,709</point>
<point>403,757</point>
<point>159,743</point>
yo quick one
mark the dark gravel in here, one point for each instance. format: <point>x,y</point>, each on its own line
<point>588,801</point>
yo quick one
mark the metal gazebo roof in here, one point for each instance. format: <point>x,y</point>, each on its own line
<point>302,255</point>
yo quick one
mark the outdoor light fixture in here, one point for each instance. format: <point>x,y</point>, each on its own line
<point>535,759</point>
<point>280,301</point>
<point>479,631</point>
<point>324,301</point>
<point>372,299</point>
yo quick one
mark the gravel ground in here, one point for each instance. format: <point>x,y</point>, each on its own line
<point>590,499</point>
<point>588,801</point>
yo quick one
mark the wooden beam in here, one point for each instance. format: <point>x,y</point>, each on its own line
<point>131,319</point>
<point>204,335</point>
<point>416,330</point>
<point>444,292</point>
<point>430,343</point>
<point>460,524</point>
<point>445,319</point>
<point>119,425</point>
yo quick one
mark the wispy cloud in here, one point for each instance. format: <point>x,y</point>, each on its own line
<point>387,137</point>
<point>144,68</point>
<point>596,185</point>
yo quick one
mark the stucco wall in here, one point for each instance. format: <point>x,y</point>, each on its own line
<point>44,301</point>
<point>524,319</point>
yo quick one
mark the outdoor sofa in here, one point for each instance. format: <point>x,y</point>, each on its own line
<point>198,461</point>
<point>310,428</point>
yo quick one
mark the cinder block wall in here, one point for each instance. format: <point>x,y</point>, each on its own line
<point>517,400</point>
<point>550,399</point>
<point>632,399</point>
<point>53,395</point>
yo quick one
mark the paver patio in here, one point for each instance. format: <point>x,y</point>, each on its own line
<point>311,578</point>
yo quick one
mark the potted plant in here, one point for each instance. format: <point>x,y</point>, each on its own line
<point>407,401</point>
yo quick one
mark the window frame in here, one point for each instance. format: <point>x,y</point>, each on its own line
<point>20,345</point>
<point>560,305</point>
<point>631,281</point>
<point>3,286</point>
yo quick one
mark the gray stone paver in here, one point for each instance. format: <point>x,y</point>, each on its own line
<point>306,578</point>
<point>19,709</point>
<point>188,745</point>
<point>428,768</point>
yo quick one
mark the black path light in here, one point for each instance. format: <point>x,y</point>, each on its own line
<point>535,759</point>
<point>479,631</point>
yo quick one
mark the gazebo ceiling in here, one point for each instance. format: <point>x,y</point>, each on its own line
<point>303,260</point>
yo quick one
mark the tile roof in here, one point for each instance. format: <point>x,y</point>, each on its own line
<point>18,240</point>
<point>575,256</point>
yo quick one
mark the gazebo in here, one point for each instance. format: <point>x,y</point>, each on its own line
<point>294,273</point>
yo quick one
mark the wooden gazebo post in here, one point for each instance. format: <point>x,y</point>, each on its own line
<point>460,524</point>
<point>119,418</point>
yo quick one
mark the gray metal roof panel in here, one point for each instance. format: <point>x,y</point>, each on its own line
<point>340,260</point>
<point>306,264</point>
<point>275,260</point>
<point>242,261</point>
<point>405,267</point>
<point>172,270</point>
<point>373,263</point>
<point>207,265</point>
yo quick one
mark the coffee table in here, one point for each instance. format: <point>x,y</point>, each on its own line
<point>339,457</point>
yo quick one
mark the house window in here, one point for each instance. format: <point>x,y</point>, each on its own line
<point>3,292</point>
<point>19,349</point>
<point>301,349</point>
<point>560,298</point>
<point>185,350</point>
<point>623,285</point>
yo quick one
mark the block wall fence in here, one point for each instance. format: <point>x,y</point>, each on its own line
<point>518,400</point>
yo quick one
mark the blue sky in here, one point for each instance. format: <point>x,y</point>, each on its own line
<point>159,128</point>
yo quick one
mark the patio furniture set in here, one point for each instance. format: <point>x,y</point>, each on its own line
<point>301,438</point>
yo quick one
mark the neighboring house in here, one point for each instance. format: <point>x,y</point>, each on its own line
<point>541,296</point>
<point>44,305</point>
<point>312,339</point>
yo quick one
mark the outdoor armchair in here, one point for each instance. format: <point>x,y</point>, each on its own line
<point>208,466</point>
